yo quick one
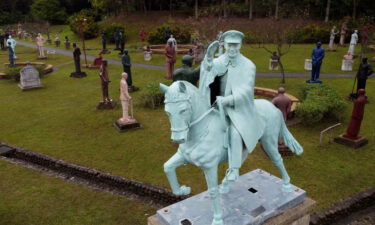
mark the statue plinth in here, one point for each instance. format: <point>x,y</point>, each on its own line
<point>106,105</point>
<point>105,51</point>
<point>78,74</point>
<point>351,142</point>
<point>42,57</point>
<point>133,88</point>
<point>257,198</point>
<point>121,127</point>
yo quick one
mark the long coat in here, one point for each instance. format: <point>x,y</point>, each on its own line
<point>240,84</point>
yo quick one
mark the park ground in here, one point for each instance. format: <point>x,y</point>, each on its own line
<point>60,120</point>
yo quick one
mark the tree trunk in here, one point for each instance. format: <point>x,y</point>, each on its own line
<point>277,10</point>
<point>355,2</point>
<point>282,71</point>
<point>170,7</point>
<point>196,9</point>
<point>251,9</point>
<point>327,10</point>
<point>224,6</point>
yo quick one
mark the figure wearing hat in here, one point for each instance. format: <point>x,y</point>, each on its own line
<point>229,80</point>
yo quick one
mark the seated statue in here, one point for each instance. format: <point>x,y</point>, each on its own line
<point>186,73</point>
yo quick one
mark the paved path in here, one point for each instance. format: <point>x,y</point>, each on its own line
<point>146,66</point>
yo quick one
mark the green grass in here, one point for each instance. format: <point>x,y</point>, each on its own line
<point>29,197</point>
<point>61,120</point>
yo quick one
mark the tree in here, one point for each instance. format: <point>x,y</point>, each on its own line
<point>196,9</point>
<point>49,10</point>
<point>251,3</point>
<point>327,10</point>
<point>277,10</point>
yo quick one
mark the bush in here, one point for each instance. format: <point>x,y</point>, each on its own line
<point>153,97</point>
<point>49,10</point>
<point>311,34</point>
<point>14,72</point>
<point>182,34</point>
<point>250,38</point>
<point>91,28</point>
<point>320,101</point>
<point>111,29</point>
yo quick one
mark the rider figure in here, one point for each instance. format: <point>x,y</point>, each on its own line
<point>229,79</point>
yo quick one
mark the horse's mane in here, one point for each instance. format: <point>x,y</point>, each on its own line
<point>181,90</point>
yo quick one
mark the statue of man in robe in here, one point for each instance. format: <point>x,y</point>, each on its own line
<point>229,81</point>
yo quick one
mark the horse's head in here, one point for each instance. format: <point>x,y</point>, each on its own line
<point>178,106</point>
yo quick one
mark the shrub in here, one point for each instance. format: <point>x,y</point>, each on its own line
<point>111,29</point>
<point>153,97</point>
<point>250,38</point>
<point>49,10</point>
<point>14,72</point>
<point>320,101</point>
<point>310,34</point>
<point>91,28</point>
<point>181,33</point>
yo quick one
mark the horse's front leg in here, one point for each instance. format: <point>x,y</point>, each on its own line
<point>211,179</point>
<point>170,169</point>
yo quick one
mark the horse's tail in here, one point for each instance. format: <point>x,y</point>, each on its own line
<point>289,140</point>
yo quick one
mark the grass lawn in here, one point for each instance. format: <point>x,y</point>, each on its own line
<point>61,120</point>
<point>293,61</point>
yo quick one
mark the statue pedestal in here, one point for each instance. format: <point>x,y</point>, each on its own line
<point>105,51</point>
<point>121,127</point>
<point>357,143</point>
<point>255,199</point>
<point>308,64</point>
<point>78,75</point>
<point>44,57</point>
<point>106,105</point>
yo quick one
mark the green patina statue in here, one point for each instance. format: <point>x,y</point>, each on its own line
<point>186,73</point>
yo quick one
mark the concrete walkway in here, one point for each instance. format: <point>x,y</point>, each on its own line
<point>146,66</point>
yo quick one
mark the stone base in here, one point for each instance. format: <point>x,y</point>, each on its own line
<point>133,88</point>
<point>314,81</point>
<point>105,51</point>
<point>29,87</point>
<point>331,49</point>
<point>361,141</point>
<point>128,126</point>
<point>45,57</point>
<point>256,198</point>
<point>78,75</point>
<point>106,105</point>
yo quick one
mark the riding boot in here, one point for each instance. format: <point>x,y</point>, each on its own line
<point>234,153</point>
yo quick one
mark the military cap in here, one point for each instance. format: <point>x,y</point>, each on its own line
<point>232,36</point>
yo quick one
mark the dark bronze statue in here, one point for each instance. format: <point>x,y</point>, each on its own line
<point>363,73</point>
<point>186,73</point>
<point>77,62</point>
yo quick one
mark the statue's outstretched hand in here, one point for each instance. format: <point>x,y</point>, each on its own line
<point>212,49</point>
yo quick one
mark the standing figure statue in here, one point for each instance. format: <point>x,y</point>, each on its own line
<point>57,40</point>
<point>2,40</point>
<point>40,44</point>
<point>353,42</point>
<point>77,62</point>
<point>344,29</point>
<point>104,43</point>
<point>10,55</point>
<point>357,116</point>
<point>210,134</point>
<point>186,73</point>
<point>167,34</point>
<point>317,56</point>
<point>283,103</point>
<point>331,46</point>
<point>125,99</point>
<point>142,35</point>
<point>106,103</point>
<point>67,42</point>
<point>117,39</point>
<point>170,58</point>
<point>126,63</point>
<point>363,73</point>
<point>174,42</point>
<point>122,41</point>
<point>12,43</point>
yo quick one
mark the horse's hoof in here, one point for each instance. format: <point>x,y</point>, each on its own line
<point>287,188</point>
<point>224,188</point>
<point>217,222</point>
<point>184,190</point>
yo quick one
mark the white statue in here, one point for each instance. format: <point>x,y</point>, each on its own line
<point>12,43</point>
<point>353,42</point>
<point>40,43</point>
<point>332,38</point>
<point>125,99</point>
<point>174,42</point>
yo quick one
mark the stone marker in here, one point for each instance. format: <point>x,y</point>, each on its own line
<point>29,78</point>
<point>347,65</point>
<point>255,199</point>
<point>308,64</point>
